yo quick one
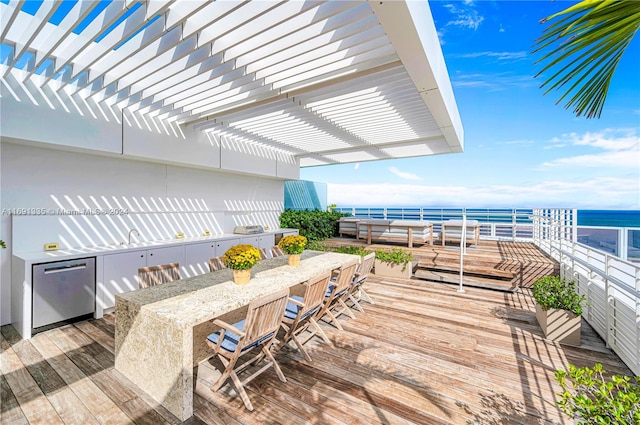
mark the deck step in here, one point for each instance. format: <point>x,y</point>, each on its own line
<point>469,269</point>
<point>476,281</point>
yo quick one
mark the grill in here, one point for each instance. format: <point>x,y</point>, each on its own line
<point>248,230</point>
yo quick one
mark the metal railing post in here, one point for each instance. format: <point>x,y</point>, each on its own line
<point>609,309</point>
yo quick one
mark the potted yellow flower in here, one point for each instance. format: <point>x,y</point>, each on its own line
<point>240,259</point>
<point>293,245</point>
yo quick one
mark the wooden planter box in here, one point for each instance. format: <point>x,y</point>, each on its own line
<point>393,270</point>
<point>559,325</point>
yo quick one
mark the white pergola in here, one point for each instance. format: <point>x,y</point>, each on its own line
<point>327,82</point>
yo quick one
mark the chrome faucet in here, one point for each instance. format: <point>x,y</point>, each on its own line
<point>137,234</point>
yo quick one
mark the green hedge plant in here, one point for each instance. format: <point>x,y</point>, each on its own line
<point>355,250</point>
<point>395,256</point>
<point>315,225</point>
<point>592,399</point>
<point>555,292</point>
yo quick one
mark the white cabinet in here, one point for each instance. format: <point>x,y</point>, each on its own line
<point>120,275</point>
<point>225,244</point>
<point>260,241</point>
<point>121,270</point>
<point>197,257</point>
<point>165,255</point>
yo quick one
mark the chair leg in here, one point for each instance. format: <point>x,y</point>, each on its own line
<point>267,352</point>
<point>304,352</point>
<point>365,297</point>
<point>356,304</point>
<point>228,368</point>
<point>319,331</point>
<point>240,388</point>
<point>345,309</point>
<point>333,319</point>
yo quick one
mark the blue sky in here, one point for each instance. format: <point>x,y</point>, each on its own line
<point>521,150</point>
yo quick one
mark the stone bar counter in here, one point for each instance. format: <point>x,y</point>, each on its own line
<point>161,331</point>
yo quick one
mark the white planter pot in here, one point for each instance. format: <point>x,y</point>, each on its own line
<point>559,325</point>
<point>393,270</point>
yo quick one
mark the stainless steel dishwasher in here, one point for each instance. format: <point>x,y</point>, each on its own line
<point>63,292</point>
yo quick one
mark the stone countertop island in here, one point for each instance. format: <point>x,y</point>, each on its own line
<point>161,331</point>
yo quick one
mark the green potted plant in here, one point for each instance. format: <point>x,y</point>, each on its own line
<point>558,309</point>
<point>293,245</point>
<point>241,258</point>
<point>590,398</point>
<point>394,262</point>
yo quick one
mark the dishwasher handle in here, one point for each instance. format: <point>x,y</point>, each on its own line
<point>65,268</point>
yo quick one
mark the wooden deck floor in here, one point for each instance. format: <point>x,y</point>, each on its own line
<point>485,265</point>
<point>423,354</point>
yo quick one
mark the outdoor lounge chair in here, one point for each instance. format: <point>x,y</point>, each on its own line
<point>157,275</point>
<point>257,331</point>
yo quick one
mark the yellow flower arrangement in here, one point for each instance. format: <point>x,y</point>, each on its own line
<point>241,257</point>
<point>293,244</point>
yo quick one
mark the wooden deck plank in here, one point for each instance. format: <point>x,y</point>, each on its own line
<point>33,403</point>
<point>97,402</point>
<point>423,354</point>
<point>68,406</point>
<point>97,363</point>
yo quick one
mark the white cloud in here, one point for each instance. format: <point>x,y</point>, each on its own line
<point>464,16</point>
<point>498,55</point>
<point>404,174</point>
<point>494,82</point>
<point>619,148</point>
<point>605,159</point>
<point>356,166</point>
<point>596,193</point>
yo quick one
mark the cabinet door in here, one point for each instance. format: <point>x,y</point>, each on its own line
<point>121,274</point>
<point>165,255</point>
<point>196,258</point>
<point>223,245</point>
<point>266,242</point>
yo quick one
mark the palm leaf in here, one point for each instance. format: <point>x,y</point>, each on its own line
<point>581,50</point>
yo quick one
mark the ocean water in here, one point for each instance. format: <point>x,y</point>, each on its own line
<point>609,218</point>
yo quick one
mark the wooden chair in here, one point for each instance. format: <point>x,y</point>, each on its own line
<point>334,304</point>
<point>276,251</point>
<point>257,331</point>
<point>301,311</point>
<point>356,291</point>
<point>263,254</point>
<point>216,264</point>
<point>157,275</point>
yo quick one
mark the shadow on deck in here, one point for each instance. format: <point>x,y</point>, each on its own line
<point>422,354</point>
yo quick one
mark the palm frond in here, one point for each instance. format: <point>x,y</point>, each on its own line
<point>581,50</point>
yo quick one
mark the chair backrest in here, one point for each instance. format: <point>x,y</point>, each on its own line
<point>216,264</point>
<point>315,289</point>
<point>366,264</point>
<point>276,251</point>
<point>264,317</point>
<point>157,275</point>
<point>345,276</point>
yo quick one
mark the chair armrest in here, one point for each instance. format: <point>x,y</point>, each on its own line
<point>228,327</point>
<point>296,302</point>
